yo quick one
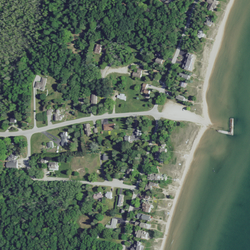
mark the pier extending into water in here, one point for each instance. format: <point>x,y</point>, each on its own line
<point>231,128</point>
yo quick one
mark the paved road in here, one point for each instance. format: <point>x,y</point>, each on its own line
<point>115,183</point>
<point>109,70</point>
<point>172,111</point>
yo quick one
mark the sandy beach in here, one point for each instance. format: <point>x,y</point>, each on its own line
<point>211,62</point>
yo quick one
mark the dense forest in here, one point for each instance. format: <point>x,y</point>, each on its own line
<point>45,30</point>
<point>43,215</point>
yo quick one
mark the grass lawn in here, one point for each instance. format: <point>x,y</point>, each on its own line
<point>63,169</point>
<point>36,142</point>
<point>84,222</point>
<point>135,101</point>
<point>40,124</point>
<point>87,164</point>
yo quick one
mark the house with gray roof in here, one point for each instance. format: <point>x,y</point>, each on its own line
<point>64,138</point>
<point>41,84</point>
<point>143,217</point>
<point>58,116</point>
<point>211,4</point>
<point>150,185</point>
<point>156,177</point>
<point>93,99</point>
<point>112,224</point>
<point>181,98</point>
<point>13,120</point>
<point>137,246</point>
<point>98,49</point>
<point>120,200</point>
<point>183,84</point>
<point>159,61</point>
<point>50,144</point>
<point>97,196</point>
<point>87,129</point>
<point>147,207</point>
<point>53,166</point>
<point>208,22</point>
<point>189,62</point>
<point>108,195</point>
<point>105,157</point>
<point>122,97</point>
<point>11,164</point>
<point>185,76</point>
<point>137,74</point>
<point>142,235</point>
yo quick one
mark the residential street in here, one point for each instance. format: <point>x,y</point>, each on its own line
<point>171,111</point>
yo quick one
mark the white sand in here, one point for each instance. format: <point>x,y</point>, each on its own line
<point>212,59</point>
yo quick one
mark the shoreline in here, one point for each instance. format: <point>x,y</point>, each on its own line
<point>205,112</point>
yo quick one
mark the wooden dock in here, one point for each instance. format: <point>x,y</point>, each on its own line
<point>231,128</point>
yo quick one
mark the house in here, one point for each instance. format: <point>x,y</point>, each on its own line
<point>41,84</point>
<point>122,97</point>
<point>130,138</point>
<point>183,84</point>
<point>87,129</point>
<point>95,130</point>
<point>211,5</point>
<point>104,157</point>
<point>150,185</point>
<point>137,246</point>
<point>156,177</point>
<point>98,49</point>
<point>143,217</point>
<point>200,34</point>
<point>137,74</point>
<point>208,22</point>
<point>145,225</point>
<point>53,166</point>
<point>109,195</point>
<point>49,111</point>
<point>181,98</point>
<point>11,164</point>
<point>97,196</point>
<point>142,235</point>
<point>112,224</point>
<point>93,99</point>
<point>12,157</point>
<point>13,120</point>
<point>163,148</point>
<point>159,61</point>
<point>146,207</point>
<point>176,54</point>
<point>120,200</point>
<point>189,62</point>
<point>50,144</point>
<point>185,76</point>
<point>58,116</point>
<point>64,138</point>
<point>108,127</point>
<point>144,90</point>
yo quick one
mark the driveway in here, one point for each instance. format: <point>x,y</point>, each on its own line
<point>159,89</point>
<point>55,139</point>
<point>109,70</point>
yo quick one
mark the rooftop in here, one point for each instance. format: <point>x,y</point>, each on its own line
<point>122,97</point>
<point>53,166</point>
<point>64,138</point>
<point>108,127</point>
<point>138,73</point>
<point>112,224</point>
<point>93,99</point>
<point>98,49</point>
<point>189,62</point>
<point>109,195</point>
<point>142,235</point>
<point>11,164</point>
<point>120,200</point>
<point>97,196</point>
<point>41,84</point>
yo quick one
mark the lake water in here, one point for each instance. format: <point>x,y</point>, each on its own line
<point>213,212</point>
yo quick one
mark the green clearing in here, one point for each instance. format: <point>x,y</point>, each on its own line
<point>36,142</point>
<point>135,101</point>
<point>63,170</point>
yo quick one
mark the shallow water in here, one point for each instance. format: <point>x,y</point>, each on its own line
<point>214,207</point>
